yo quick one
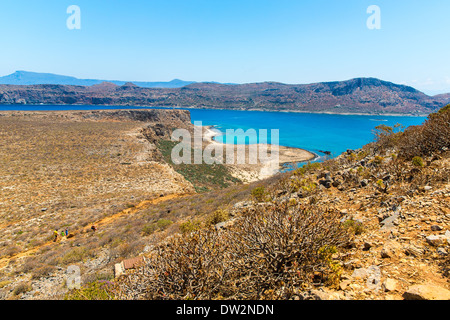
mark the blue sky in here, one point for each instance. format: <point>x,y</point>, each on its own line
<point>290,41</point>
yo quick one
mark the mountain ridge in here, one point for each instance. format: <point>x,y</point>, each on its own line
<point>21,77</point>
<point>354,96</point>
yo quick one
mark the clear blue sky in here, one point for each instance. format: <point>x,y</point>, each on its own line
<point>239,41</point>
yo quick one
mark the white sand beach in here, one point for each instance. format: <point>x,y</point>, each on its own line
<point>250,171</point>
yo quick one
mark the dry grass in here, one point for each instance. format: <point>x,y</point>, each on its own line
<point>58,172</point>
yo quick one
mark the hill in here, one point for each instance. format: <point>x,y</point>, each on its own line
<point>33,78</point>
<point>355,96</point>
<point>444,98</point>
<point>370,224</point>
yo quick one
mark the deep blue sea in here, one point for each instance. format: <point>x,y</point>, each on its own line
<point>313,132</point>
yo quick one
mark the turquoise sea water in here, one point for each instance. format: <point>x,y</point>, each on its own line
<point>313,132</point>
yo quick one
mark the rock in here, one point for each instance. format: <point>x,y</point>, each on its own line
<point>414,251</point>
<point>441,251</point>
<point>352,264</point>
<point>436,240</point>
<point>372,274</point>
<point>427,188</point>
<point>389,285</point>
<point>390,249</point>
<point>385,253</point>
<point>436,228</point>
<point>344,284</point>
<point>373,281</point>
<point>360,273</point>
<point>367,246</point>
<point>336,183</point>
<point>326,183</point>
<point>426,292</point>
<point>389,223</point>
<point>321,294</point>
<point>364,183</point>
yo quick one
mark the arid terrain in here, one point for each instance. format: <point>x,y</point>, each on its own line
<point>371,224</point>
<point>71,170</point>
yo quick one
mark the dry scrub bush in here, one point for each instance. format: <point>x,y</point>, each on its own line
<point>266,254</point>
<point>186,268</point>
<point>275,249</point>
<point>433,136</point>
<point>21,288</point>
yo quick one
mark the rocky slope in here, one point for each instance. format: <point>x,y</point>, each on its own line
<point>372,223</point>
<point>394,212</point>
<point>362,95</point>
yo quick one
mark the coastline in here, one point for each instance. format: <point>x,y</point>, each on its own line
<point>113,106</point>
<point>262,170</point>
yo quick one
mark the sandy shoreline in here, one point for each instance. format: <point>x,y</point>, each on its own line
<point>262,170</point>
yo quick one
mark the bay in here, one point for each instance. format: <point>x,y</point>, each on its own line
<point>310,131</point>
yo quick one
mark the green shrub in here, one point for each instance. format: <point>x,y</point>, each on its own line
<point>217,217</point>
<point>378,160</point>
<point>308,168</point>
<point>354,227</point>
<point>258,194</point>
<point>98,290</point>
<point>161,224</point>
<point>75,255</point>
<point>417,161</point>
<point>334,268</point>
<point>190,226</point>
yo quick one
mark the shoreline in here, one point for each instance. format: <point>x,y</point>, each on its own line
<point>109,107</point>
<point>246,172</point>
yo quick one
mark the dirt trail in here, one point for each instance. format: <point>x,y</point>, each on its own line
<point>107,220</point>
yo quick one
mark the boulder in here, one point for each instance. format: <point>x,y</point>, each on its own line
<point>436,240</point>
<point>389,223</point>
<point>414,251</point>
<point>390,249</point>
<point>364,183</point>
<point>426,292</point>
<point>390,285</point>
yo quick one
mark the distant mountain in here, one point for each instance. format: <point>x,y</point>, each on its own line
<point>31,78</point>
<point>355,96</point>
<point>445,98</point>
